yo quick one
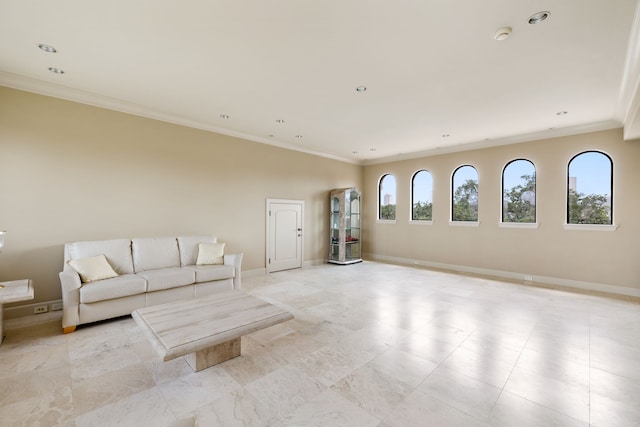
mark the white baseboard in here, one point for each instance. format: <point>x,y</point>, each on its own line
<point>542,280</point>
<point>27,309</point>
<point>314,262</point>
<point>254,273</point>
<point>263,271</point>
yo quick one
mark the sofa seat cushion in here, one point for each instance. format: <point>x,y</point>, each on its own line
<point>167,278</point>
<point>207,273</point>
<point>117,287</point>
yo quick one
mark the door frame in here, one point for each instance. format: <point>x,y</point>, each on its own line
<point>268,204</point>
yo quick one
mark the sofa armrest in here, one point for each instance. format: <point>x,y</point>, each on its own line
<point>70,283</point>
<point>236,261</point>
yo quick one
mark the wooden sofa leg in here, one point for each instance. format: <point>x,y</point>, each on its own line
<point>69,329</point>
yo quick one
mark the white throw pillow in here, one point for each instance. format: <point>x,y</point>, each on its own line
<point>210,254</point>
<point>92,269</point>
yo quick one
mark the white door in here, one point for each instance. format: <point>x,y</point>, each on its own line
<point>284,234</point>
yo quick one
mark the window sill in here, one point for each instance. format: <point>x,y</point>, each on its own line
<point>529,225</point>
<point>386,221</point>
<point>420,222</point>
<point>590,227</point>
<point>464,223</point>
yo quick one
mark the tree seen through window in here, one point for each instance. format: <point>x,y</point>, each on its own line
<point>387,197</point>
<point>465,194</point>
<point>519,192</point>
<point>421,189</point>
<point>590,189</point>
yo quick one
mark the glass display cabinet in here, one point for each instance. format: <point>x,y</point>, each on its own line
<point>345,244</point>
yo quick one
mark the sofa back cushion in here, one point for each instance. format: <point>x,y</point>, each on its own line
<point>117,252</point>
<point>155,252</point>
<point>189,248</point>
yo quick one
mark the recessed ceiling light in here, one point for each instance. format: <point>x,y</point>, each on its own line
<point>361,89</point>
<point>224,116</point>
<point>47,48</point>
<point>56,70</point>
<point>537,18</point>
<point>279,121</point>
<point>561,113</point>
<point>502,34</point>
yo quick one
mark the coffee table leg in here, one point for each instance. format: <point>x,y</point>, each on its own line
<point>213,355</point>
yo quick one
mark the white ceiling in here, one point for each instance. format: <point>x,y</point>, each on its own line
<point>431,68</point>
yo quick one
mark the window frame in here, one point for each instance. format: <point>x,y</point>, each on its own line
<point>512,224</point>
<point>384,220</point>
<point>412,188</point>
<point>453,222</point>
<point>590,227</point>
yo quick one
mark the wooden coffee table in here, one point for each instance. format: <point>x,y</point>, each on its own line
<point>206,330</point>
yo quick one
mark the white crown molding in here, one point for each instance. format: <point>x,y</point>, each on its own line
<point>40,87</point>
<point>84,97</point>
<point>515,139</point>
<point>628,108</point>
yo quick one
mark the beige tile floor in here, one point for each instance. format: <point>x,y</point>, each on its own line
<point>372,345</point>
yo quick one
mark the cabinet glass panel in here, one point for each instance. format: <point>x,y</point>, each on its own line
<point>345,238</point>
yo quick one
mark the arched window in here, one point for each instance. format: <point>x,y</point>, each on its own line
<point>464,194</point>
<point>590,189</point>
<point>421,201</point>
<point>387,197</point>
<point>519,192</point>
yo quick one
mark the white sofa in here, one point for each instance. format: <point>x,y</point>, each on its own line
<point>149,271</point>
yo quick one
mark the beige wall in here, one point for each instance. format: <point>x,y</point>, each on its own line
<point>72,172</point>
<point>609,258</point>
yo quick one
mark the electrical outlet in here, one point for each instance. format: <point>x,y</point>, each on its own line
<point>40,309</point>
<point>528,278</point>
<point>55,306</point>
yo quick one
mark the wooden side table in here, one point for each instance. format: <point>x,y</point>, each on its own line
<point>14,291</point>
